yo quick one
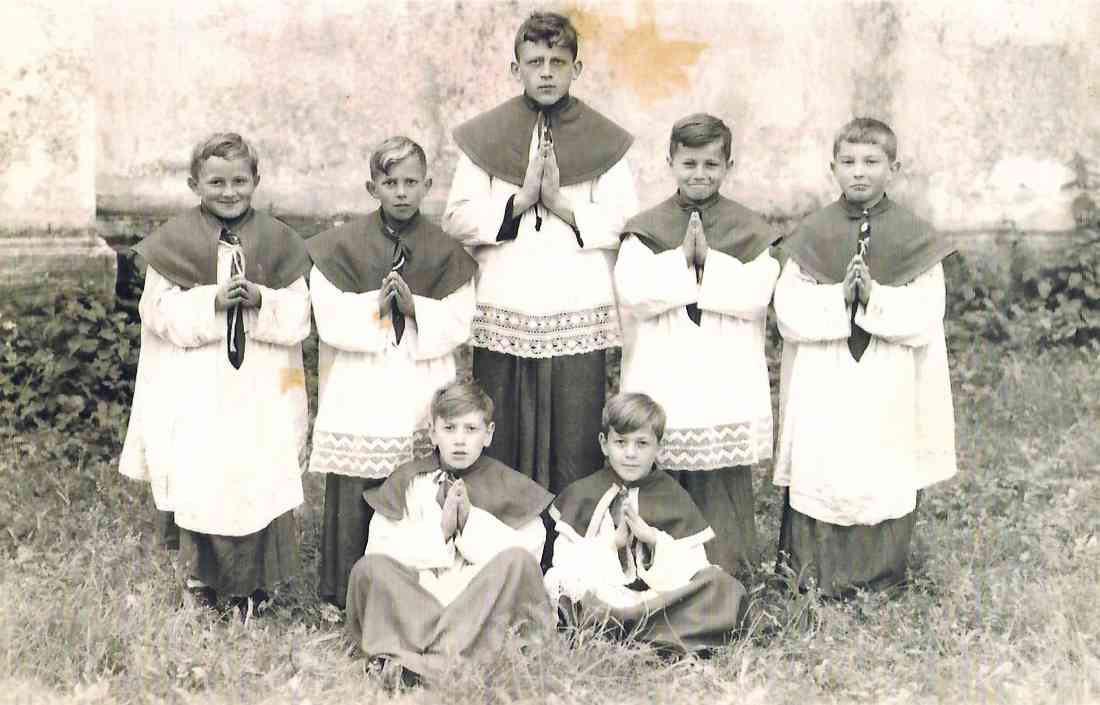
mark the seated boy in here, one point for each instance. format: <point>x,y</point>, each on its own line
<point>393,298</point>
<point>452,561</point>
<point>631,542</point>
<point>865,402</point>
<point>220,413</point>
<point>540,195</point>
<point>694,279</point>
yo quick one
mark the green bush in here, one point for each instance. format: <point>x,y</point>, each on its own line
<point>1064,299</point>
<point>68,362</point>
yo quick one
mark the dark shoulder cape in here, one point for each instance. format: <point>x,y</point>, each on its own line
<point>902,246</point>
<point>586,143</point>
<point>494,487</point>
<point>356,257</point>
<point>729,227</point>
<point>662,502</point>
<point>185,250</point>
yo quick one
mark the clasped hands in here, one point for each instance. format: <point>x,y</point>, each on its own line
<point>632,524</point>
<point>694,245</point>
<point>237,291</point>
<point>857,282</point>
<point>542,183</point>
<point>393,289</point>
<point>456,509</point>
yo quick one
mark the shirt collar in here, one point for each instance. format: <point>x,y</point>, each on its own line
<point>855,212</point>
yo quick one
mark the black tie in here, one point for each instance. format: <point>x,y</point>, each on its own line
<point>859,338</point>
<point>234,321</point>
<point>397,263</point>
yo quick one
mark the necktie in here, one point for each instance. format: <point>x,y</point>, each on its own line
<point>859,338</point>
<point>445,480</point>
<point>234,319</point>
<point>397,263</point>
<point>693,311</point>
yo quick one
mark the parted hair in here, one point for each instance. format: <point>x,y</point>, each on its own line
<point>547,28</point>
<point>461,397</point>
<point>697,130</point>
<point>393,150</point>
<point>630,411</point>
<point>865,130</point>
<point>226,145</point>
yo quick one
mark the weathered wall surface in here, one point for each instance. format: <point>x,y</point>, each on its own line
<point>990,100</point>
<point>47,148</point>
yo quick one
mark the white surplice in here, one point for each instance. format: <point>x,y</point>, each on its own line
<point>221,447</point>
<point>591,563</point>
<point>711,379</point>
<point>374,394</point>
<point>543,294</point>
<point>446,566</point>
<point>858,439</point>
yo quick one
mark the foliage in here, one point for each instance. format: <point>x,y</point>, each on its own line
<point>1065,298</point>
<point>68,362</point>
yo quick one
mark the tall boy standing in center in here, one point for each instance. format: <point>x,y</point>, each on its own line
<point>694,279</point>
<point>539,196</point>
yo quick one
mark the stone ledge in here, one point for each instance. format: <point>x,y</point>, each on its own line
<point>33,262</point>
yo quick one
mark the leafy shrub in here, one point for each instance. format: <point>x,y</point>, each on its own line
<point>1065,298</point>
<point>68,362</point>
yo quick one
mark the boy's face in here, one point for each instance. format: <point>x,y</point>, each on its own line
<point>461,439</point>
<point>546,72</point>
<point>699,171</point>
<point>631,455</point>
<point>225,186</point>
<point>401,190</point>
<point>863,171</point>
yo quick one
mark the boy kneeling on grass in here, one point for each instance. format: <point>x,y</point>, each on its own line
<point>630,542</point>
<point>452,559</point>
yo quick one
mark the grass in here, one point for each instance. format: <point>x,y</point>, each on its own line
<point>1002,607</point>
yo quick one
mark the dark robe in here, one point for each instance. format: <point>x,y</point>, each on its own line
<point>586,143</point>
<point>728,226</point>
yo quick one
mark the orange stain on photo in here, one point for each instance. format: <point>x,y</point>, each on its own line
<point>640,57</point>
<point>291,378</point>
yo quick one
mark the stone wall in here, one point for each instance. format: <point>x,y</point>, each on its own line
<point>47,150</point>
<point>990,100</point>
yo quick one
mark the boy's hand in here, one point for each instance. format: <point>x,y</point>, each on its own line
<point>552,197</point>
<point>385,296</point>
<point>863,279</point>
<point>700,246</point>
<point>622,533</point>
<point>462,504</point>
<point>402,294</point>
<point>229,295</point>
<point>642,531</point>
<point>531,190</point>
<point>688,245</point>
<point>851,282</point>
<point>249,294</point>
<point>449,522</point>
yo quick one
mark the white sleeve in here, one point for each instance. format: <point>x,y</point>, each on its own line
<point>484,536</point>
<point>807,311</point>
<point>648,285</point>
<point>283,316</point>
<point>611,200</point>
<point>416,540</point>
<point>674,562</point>
<point>185,319</point>
<point>906,315</point>
<point>733,288</point>
<point>348,321</point>
<point>473,215</point>
<point>594,560</point>
<point>443,325</point>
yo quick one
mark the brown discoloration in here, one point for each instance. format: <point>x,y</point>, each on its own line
<point>640,59</point>
<point>291,378</point>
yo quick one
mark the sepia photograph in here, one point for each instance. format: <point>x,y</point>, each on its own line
<point>567,352</point>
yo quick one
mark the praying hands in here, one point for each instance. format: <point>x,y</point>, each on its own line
<point>857,282</point>
<point>237,291</point>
